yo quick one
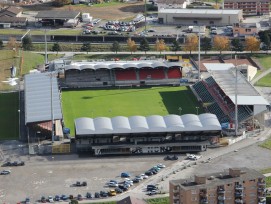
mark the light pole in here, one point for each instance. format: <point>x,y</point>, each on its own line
<point>197,109</point>
<point>180,110</point>
<point>145,16</point>
<point>45,41</point>
<point>52,110</point>
<point>199,56</point>
<point>236,105</point>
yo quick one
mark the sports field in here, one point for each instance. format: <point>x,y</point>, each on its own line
<point>127,102</point>
<point>9,116</point>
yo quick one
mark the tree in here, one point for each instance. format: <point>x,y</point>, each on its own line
<point>27,43</point>
<point>160,45</point>
<point>115,47</point>
<point>1,44</point>
<point>237,45</point>
<point>131,45</point>
<point>252,44</point>
<point>266,40</point>
<point>12,44</point>
<point>221,43</point>
<point>86,47</point>
<point>56,48</point>
<point>175,46</point>
<point>60,3</point>
<point>191,43</point>
<point>74,201</point>
<point>144,45</point>
<point>206,44</point>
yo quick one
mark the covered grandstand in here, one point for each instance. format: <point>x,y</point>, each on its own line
<point>117,73</point>
<point>145,135</point>
<point>217,94</point>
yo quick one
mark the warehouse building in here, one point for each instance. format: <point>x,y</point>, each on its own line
<point>206,17</point>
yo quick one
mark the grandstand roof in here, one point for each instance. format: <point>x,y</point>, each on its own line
<point>141,124</point>
<point>121,65</point>
<point>38,98</point>
<point>224,75</point>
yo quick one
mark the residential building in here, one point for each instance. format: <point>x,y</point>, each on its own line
<point>249,7</point>
<point>207,17</point>
<point>245,29</point>
<point>180,4</point>
<point>11,17</point>
<point>236,186</point>
<point>11,11</point>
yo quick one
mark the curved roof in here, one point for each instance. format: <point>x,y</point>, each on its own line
<point>121,65</point>
<point>141,124</point>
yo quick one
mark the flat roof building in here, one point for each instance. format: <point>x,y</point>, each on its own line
<point>236,186</point>
<point>199,16</point>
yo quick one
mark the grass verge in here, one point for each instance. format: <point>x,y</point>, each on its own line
<point>267,145</point>
<point>164,200</point>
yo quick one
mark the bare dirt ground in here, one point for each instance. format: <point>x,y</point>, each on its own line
<point>110,12</point>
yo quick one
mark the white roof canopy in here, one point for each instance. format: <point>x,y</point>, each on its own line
<point>141,124</point>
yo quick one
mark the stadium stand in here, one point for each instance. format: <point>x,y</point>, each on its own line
<point>174,73</point>
<point>126,74</point>
<point>151,74</point>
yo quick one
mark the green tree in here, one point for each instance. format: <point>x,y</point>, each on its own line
<point>56,48</point>
<point>86,47</point>
<point>60,3</point>
<point>237,45</point>
<point>175,46</point>
<point>1,44</point>
<point>74,201</point>
<point>206,44</point>
<point>266,41</point>
<point>27,43</point>
<point>144,45</point>
<point>115,47</point>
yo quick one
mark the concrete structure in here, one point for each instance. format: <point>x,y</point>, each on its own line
<point>246,29</point>
<point>249,7</point>
<point>206,17</point>
<point>173,4</point>
<point>248,71</point>
<point>236,186</point>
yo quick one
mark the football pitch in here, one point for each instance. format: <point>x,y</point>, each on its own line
<point>127,102</point>
<point>9,116</point>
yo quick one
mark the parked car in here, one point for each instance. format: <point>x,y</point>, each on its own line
<point>103,194</point>
<point>139,177</point>
<point>5,172</point>
<point>97,195</point>
<point>153,192</point>
<point>112,193</point>
<point>112,184</point>
<point>43,199</point>
<point>136,180</point>
<point>64,197</point>
<point>79,184</point>
<point>57,198</point>
<point>125,175</point>
<point>88,195</point>
<point>123,187</point>
<point>118,190</point>
<point>50,199</point>
<point>169,157</point>
<point>144,176</point>
<point>79,197</point>
<point>161,165</point>
<point>148,173</point>
<point>113,181</point>
<point>27,201</point>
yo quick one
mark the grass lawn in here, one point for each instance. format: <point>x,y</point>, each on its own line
<point>267,145</point>
<point>9,116</point>
<point>265,81</point>
<point>126,102</point>
<point>265,61</point>
<point>268,182</point>
<point>164,200</point>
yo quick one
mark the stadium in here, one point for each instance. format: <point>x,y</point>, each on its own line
<point>139,107</point>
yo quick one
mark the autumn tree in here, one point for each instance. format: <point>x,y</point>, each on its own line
<point>252,44</point>
<point>131,45</point>
<point>12,44</point>
<point>175,46</point>
<point>206,44</point>
<point>160,45</point>
<point>191,43</point>
<point>221,43</point>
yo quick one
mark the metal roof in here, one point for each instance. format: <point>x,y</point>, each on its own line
<point>141,124</point>
<point>200,11</point>
<point>224,75</point>
<point>120,64</point>
<point>57,14</point>
<point>38,97</point>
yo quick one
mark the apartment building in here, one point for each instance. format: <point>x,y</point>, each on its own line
<point>235,186</point>
<point>249,7</point>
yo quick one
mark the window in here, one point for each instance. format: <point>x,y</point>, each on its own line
<point>195,22</point>
<point>212,22</point>
<point>248,30</point>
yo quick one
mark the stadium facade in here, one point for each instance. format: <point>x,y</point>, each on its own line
<point>146,135</point>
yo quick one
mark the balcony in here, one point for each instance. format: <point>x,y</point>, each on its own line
<point>239,194</point>
<point>261,183</point>
<point>203,201</point>
<point>239,187</point>
<point>176,197</point>
<point>262,200</point>
<point>176,190</point>
<point>220,198</point>
<point>176,202</point>
<point>239,201</point>
<point>221,191</point>
<point>261,190</point>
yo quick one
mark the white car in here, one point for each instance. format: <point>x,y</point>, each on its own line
<point>127,179</point>
<point>112,184</point>
<point>144,176</point>
<point>5,172</point>
<point>139,177</point>
<point>50,199</point>
<point>161,165</point>
<point>193,157</point>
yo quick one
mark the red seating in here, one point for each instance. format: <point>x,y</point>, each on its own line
<point>174,73</point>
<point>125,74</point>
<point>151,74</point>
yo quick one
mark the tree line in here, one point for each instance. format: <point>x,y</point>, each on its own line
<point>218,43</point>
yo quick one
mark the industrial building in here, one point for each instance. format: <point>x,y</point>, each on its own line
<point>249,7</point>
<point>235,186</point>
<point>207,17</point>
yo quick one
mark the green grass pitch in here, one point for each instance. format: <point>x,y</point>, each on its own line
<point>9,116</point>
<point>126,102</point>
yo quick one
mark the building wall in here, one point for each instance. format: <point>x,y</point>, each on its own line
<point>241,31</point>
<point>258,7</point>
<point>180,19</point>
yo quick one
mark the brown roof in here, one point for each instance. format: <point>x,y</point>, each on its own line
<point>170,1</point>
<point>131,200</point>
<point>11,11</point>
<point>236,1</point>
<point>5,19</point>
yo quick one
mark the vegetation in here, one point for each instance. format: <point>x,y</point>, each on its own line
<point>206,44</point>
<point>9,117</point>
<point>221,43</point>
<point>164,200</point>
<point>144,45</point>
<point>268,181</point>
<point>266,144</point>
<point>27,43</point>
<point>237,45</point>
<point>252,44</point>
<point>56,48</point>
<point>160,45</point>
<point>126,102</point>
<point>86,47</point>
<point>115,47</point>
<point>191,43</point>
<point>131,45</point>
<point>266,171</point>
<point>175,46</point>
